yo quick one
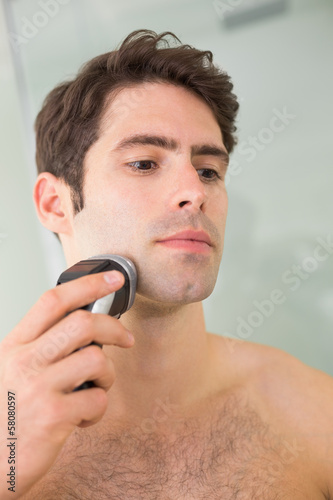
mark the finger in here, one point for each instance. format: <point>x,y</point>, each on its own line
<point>89,363</point>
<point>55,303</point>
<point>79,329</point>
<point>86,407</point>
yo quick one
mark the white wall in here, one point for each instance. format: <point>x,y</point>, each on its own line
<point>280,196</point>
<point>23,268</point>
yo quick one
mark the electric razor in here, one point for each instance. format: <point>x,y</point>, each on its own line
<point>116,303</point>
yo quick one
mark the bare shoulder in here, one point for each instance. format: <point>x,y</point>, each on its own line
<point>302,393</point>
<point>302,398</point>
<point>282,379</point>
<point>293,395</point>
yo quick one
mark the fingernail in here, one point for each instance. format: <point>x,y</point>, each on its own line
<point>112,277</point>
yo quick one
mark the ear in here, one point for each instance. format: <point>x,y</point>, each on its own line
<point>52,202</point>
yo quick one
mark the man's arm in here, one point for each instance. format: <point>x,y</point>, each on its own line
<point>302,397</point>
<point>318,425</point>
<point>323,449</point>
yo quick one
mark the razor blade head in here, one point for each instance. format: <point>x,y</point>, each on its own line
<point>114,304</point>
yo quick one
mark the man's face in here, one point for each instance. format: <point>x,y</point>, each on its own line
<point>157,170</point>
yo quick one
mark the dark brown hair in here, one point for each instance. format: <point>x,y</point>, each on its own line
<point>69,121</point>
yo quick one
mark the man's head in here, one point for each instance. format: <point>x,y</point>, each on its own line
<point>133,149</point>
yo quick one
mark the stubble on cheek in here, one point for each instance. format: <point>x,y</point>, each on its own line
<point>103,230</point>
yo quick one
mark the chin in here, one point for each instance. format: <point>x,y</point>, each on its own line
<point>177,294</point>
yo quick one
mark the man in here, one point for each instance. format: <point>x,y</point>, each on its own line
<point>132,157</point>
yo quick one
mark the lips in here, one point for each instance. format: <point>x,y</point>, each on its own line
<point>190,235</point>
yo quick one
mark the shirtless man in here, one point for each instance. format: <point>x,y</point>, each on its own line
<point>177,413</point>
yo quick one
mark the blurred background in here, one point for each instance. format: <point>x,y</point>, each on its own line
<point>275,284</point>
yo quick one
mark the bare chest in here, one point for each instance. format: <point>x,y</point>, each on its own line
<point>232,455</point>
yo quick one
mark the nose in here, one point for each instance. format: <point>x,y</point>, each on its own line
<point>189,191</point>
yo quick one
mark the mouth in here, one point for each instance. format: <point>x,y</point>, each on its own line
<point>192,241</point>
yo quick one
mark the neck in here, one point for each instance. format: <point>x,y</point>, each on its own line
<point>171,360</point>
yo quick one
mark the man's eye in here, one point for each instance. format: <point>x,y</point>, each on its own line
<point>143,165</point>
<point>209,174</point>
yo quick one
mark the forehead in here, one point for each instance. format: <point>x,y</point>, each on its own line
<point>159,107</point>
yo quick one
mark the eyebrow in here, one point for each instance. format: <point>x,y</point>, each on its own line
<point>170,145</point>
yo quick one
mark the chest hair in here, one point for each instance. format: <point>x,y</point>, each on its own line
<point>228,452</point>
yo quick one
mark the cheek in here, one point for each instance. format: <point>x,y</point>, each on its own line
<point>113,222</point>
<point>217,208</point>
<point>131,206</point>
